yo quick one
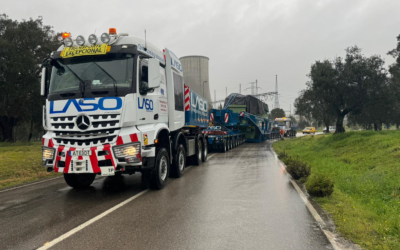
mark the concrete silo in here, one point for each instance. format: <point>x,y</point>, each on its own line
<point>195,74</point>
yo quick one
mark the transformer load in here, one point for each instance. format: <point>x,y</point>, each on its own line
<point>246,103</point>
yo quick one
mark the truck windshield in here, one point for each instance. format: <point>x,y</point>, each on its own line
<point>96,73</point>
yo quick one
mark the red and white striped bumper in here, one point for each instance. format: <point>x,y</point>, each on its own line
<point>101,161</point>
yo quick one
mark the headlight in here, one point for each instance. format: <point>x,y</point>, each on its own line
<point>47,153</point>
<point>131,152</point>
<point>92,39</point>
<point>80,40</point>
<point>68,42</point>
<point>105,38</point>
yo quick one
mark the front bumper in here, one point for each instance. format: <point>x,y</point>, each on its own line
<point>101,160</point>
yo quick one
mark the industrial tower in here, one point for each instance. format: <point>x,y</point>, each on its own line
<point>276,104</point>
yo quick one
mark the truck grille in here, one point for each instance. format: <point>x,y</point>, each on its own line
<point>103,129</point>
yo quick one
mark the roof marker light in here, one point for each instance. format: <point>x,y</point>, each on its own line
<point>92,39</point>
<point>80,40</point>
<point>112,31</point>
<point>65,35</point>
<point>105,38</point>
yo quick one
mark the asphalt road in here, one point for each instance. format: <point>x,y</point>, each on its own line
<point>238,200</point>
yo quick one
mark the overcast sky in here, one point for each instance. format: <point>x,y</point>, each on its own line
<point>245,40</point>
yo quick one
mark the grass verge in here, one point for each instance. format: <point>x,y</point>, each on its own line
<point>21,163</point>
<point>365,167</point>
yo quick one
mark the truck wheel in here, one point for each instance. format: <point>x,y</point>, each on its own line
<point>196,158</point>
<point>160,176</point>
<point>79,181</point>
<point>231,143</point>
<point>179,162</point>
<point>224,147</point>
<point>204,154</point>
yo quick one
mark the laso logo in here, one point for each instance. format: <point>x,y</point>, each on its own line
<point>147,104</point>
<point>86,105</point>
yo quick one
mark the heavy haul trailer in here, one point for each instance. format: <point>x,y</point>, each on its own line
<point>226,134</point>
<point>116,105</point>
<point>254,124</point>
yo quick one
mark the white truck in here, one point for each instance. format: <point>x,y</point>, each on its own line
<point>287,128</point>
<point>116,105</point>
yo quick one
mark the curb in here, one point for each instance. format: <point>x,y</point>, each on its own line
<point>335,240</point>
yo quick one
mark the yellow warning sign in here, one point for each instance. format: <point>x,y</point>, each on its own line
<point>84,51</point>
<point>145,139</point>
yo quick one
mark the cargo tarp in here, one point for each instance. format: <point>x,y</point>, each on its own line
<point>253,105</point>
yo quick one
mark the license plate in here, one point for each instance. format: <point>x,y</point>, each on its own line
<point>80,153</point>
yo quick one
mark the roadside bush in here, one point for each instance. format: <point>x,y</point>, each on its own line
<point>297,169</point>
<point>282,155</point>
<point>319,185</point>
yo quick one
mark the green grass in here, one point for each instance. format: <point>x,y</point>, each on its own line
<point>21,163</point>
<point>365,167</point>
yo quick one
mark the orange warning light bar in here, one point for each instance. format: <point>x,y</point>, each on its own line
<point>112,31</point>
<point>65,35</point>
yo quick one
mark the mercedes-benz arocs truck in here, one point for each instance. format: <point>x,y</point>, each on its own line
<point>117,105</point>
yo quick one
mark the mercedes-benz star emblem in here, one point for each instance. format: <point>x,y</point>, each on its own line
<point>82,122</point>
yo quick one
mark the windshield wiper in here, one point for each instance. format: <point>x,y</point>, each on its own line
<point>112,78</point>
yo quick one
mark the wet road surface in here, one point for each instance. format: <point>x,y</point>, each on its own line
<point>238,200</point>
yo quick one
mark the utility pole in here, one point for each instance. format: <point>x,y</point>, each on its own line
<point>240,88</point>
<point>290,109</point>
<point>215,95</point>
<point>276,104</point>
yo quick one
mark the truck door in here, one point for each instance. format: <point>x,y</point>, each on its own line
<point>152,104</point>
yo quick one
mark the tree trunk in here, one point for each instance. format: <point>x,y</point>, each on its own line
<point>7,127</point>
<point>397,126</point>
<point>375,126</point>
<point>30,131</point>
<point>339,123</point>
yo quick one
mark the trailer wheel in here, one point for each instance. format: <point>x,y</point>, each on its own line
<point>79,181</point>
<point>179,162</point>
<point>204,154</point>
<point>224,147</point>
<point>196,158</point>
<point>159,177</point>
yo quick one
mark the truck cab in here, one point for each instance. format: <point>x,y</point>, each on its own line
<point>114,105</point>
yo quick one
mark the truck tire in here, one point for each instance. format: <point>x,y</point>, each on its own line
<point>196,158</point>
<point>224,147</point>
<point>159,177</point>
<point>231,143</point>
<point>79,181</point>
<point>179,162</point>
<point>204,154</point>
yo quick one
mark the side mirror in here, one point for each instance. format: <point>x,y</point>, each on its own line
<point>43,82</point>
<point>154,73</point>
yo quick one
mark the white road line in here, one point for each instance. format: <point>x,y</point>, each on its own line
<point>329,235</point>
<point>31,184</point>
<point>89,222</point>
<point>98,217</point>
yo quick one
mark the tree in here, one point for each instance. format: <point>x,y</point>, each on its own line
<point>346,86</point>
<point>23,46</point>
<point>277,113</point>
<point>394,84</point>
<point>311,106</point>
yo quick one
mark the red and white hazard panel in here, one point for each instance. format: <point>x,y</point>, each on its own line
<point>187,98</point>
<point>226,117</point>
<point>212,117</point>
